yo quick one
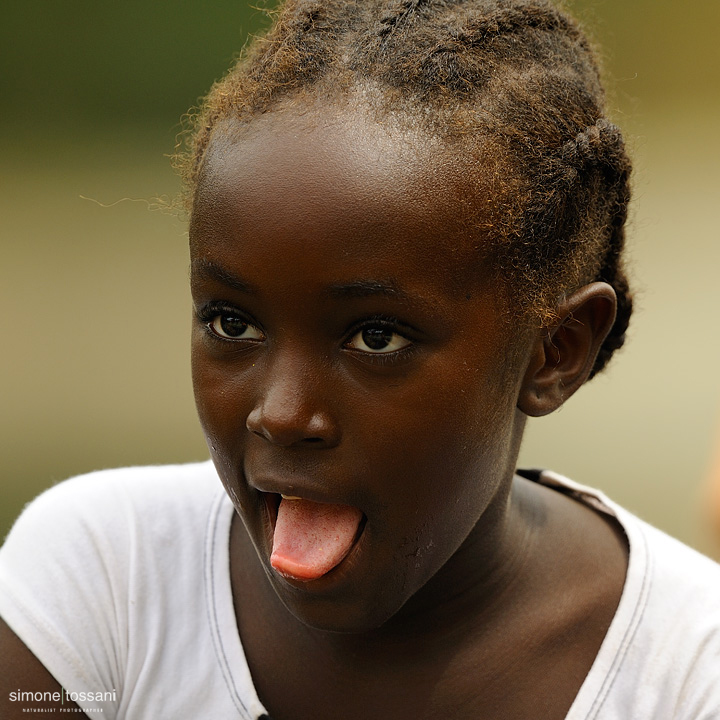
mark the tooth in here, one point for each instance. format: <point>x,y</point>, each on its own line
<point>289,497</point>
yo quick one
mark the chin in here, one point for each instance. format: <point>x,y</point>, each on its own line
<point>338,607</point>
<point>353,618</point>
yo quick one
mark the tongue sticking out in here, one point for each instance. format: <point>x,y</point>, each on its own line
<point>312,538</point>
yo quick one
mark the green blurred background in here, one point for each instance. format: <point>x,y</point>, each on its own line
<point>94,362</point>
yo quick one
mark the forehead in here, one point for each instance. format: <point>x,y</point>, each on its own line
<point>344,186</point>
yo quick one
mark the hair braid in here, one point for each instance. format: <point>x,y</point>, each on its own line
<point>600,147</point>
<point>397,14</point>
<point>534,15</point>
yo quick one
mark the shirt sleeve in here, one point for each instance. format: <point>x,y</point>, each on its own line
<point>63,580</point>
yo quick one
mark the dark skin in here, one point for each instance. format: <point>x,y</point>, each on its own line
<point>469,593</point>
<point>350,347</point>
<point>21,670</point>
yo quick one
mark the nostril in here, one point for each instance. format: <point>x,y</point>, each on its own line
<point>286,426</point>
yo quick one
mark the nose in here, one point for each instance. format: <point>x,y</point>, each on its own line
<point>290,410</point>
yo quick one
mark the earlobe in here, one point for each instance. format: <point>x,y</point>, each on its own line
<point>563,354</point>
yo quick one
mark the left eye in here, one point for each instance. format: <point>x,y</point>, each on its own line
<point>231,327</point>
<point>378,339</point>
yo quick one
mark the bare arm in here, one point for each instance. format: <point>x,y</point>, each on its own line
<point>21,671</point>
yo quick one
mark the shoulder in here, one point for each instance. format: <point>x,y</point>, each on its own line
<point>682,586</point>
<point>664,575</point>
<point>661,654</point>
<point>100,566</point>
<point>105,500</point>
<point>667,637</point>
<point>141,482</point>
<point>100,525</point>
<point>97,522</point>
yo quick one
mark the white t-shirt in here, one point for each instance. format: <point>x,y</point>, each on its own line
<point>119,582</point>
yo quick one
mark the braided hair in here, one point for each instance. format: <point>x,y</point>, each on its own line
<point>515,75</point>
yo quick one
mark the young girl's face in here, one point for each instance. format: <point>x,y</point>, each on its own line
<point>348,349</point>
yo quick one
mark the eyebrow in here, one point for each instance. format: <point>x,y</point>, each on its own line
<point>340,291</point>
<point>216,272</point>
<point>365,288</point>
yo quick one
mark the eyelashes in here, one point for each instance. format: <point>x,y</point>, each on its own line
<point>379,337</point>
<point>231,327</point>
<point>225,323</point>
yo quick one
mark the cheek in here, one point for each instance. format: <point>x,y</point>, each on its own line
<point>219,400</point>
<point>206,385</point>
<point>218,394</point>
<point>440,450</point>
<point>446,414</point>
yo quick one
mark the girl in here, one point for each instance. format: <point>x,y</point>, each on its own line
<point>406,235</point>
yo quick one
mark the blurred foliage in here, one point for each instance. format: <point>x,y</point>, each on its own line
<point>87,61</point>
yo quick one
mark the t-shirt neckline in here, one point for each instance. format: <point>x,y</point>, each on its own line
<point>605,669</point>
<point>221,612</point>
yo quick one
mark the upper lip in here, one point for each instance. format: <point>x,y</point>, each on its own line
<point>304,488</point>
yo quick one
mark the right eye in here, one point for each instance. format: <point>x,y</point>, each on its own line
<point>233,327</point>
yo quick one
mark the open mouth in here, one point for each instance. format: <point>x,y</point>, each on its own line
<point>311,538</point>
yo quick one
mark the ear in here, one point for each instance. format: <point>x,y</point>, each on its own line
<point>563,355</point>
